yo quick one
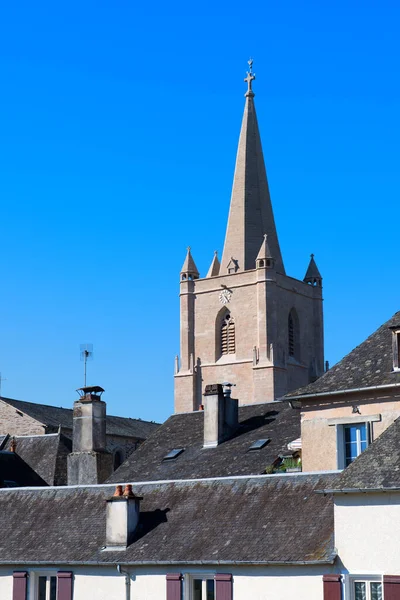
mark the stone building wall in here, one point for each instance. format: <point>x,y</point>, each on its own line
<point>15,422</point>
<point>260,301</point>
<point>322,419</point>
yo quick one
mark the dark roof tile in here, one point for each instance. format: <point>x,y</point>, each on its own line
<point>267,519</point>
<point>15,472</point>
<point>274,420</point>
<point>369,364</point>
<point>46,455</point>
<point>54,416</point>
<point>378,467</point>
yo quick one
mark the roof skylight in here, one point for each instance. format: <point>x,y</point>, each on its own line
<point>258,444</point>
<point>173,453</point>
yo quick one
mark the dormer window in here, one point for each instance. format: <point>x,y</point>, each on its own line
<point>232,266</point>
<point>396,349</point>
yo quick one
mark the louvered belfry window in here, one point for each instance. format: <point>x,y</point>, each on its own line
<point>291,336</point>
<point>228,335</point>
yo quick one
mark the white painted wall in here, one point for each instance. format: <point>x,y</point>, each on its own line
<point>367,532</point>
<point>6,584</point>
<point>284,583</point>
<point>258,583</point>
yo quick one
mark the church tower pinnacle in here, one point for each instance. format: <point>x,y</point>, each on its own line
<point>250,214</point>
<point>246,322</point>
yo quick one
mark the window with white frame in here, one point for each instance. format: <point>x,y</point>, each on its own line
<point>365,588</point>
<point>45,587</point>
<point>356,440</point>
<point>200,587</point>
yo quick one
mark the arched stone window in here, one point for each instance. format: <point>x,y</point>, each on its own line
<point>293,334</point>
<point>228,343</point>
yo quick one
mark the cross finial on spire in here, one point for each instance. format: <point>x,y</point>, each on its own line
<point>250,77</point>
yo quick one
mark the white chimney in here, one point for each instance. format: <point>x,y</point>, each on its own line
<point>220,415</point>
<point>122,518</point>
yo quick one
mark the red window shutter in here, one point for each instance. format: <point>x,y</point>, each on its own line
<point>20,580</point>
<point>332,587</point>
<point>174,586</point>
<point>64,585</point>
<point>391,587</point>
<point>223,586</point>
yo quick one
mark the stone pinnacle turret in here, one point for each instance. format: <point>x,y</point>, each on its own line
<point>250,214</point>
<point>189,269</point>
<point>313,276</point>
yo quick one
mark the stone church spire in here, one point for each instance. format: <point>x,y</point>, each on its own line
<point>250,214</point>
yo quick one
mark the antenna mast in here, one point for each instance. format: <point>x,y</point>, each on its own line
<point>86,354</point>
<point>1,381</point>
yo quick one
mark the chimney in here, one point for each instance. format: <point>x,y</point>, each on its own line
<point>13,444</point>
<point>122,518</point>
<point>89,462</point>
<point>220,414</point>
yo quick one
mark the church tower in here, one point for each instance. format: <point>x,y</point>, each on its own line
<point>247,322</point>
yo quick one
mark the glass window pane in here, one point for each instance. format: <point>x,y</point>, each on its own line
<point>376,590</point>
<point>42,588</point>
<point>360,590</point>
<point>210,589</point>
<point>363,432</point>
<point>351,453</point>
<point>53,588</point>
<point>351,433</point>
<point>197,585</point>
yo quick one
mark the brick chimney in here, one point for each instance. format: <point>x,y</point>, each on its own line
<point>89,462</point>
<point>220,414</point>
<point>123,511</point>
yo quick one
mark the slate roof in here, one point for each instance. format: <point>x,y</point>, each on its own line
<point>369,364</point>
<point>274,420</point>
<point>378,467</point>
<point>46,455</point>
<point>273,518</point>
<point>14,471</point>
<point>54,416</point>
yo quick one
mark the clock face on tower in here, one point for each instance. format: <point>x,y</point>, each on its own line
<point>225,296</point>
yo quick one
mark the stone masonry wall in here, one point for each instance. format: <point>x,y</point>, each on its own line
<point>15,422</point>
<point>259,302</point>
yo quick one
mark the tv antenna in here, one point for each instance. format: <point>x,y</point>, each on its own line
<point>86,354</point>
<point>1,381</point>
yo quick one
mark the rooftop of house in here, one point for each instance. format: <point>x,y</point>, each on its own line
<point>14,471</point>
<point>378,467</point>
<point>269,519</point>
<point>370,364</point>
<point>273,421</point>
<point>44,454</point>
<point>54,416</point>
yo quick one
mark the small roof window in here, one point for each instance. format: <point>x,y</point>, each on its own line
<point>173,453</point>
<point>257,445</point>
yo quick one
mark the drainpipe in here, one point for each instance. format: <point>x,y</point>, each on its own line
<point>127,582</point>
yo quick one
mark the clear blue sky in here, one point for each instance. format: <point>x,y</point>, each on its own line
<point>119,126</point>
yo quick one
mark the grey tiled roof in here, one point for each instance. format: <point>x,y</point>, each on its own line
<point>46,455</point>
<point>274,420</point>
<point>369,364</point>
<point>53,416</point>
<point>267,519</point>
<point>378,466</point>
<point>14,471</point>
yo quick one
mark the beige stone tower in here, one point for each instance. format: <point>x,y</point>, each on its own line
<point>247,322</point>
